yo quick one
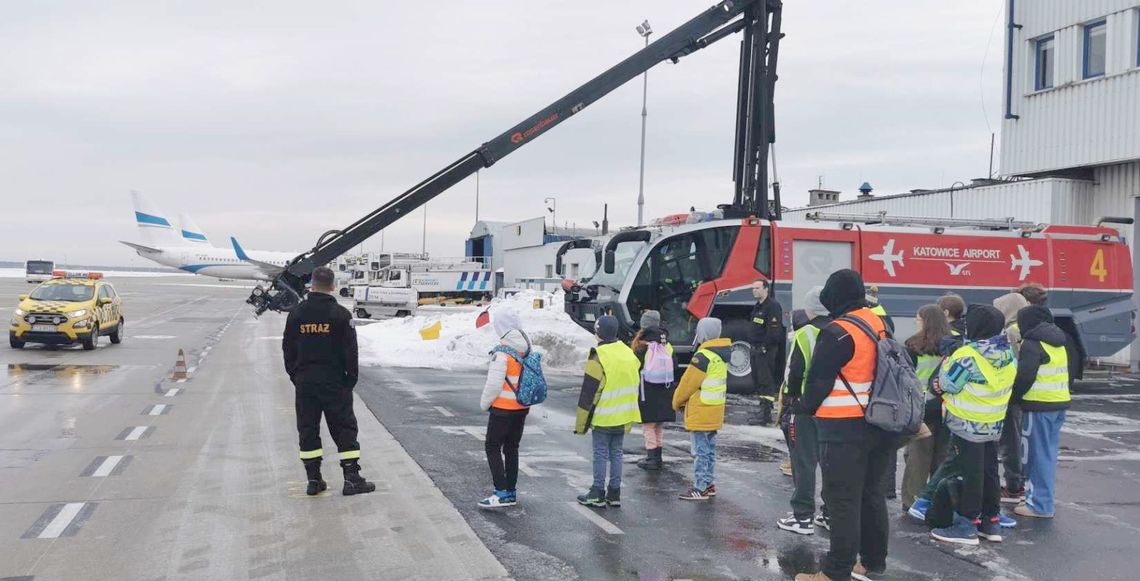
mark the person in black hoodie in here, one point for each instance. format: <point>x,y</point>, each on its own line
<point>656,397</point>
<point>853,454</point>
<point>1042,390</point>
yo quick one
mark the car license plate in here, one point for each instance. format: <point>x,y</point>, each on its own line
<point>43,328</point>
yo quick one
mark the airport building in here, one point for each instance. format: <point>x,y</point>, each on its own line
<point>523,254</point>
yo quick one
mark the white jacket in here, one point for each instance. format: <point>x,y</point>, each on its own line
<point>497,369</point>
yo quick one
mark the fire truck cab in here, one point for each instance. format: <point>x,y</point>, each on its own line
<point>706,268</point>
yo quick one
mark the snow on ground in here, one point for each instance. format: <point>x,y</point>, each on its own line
<point>397,342</point>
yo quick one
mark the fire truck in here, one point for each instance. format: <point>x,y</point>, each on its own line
<point>706,269</point>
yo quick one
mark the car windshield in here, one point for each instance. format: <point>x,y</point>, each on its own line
<point>624,256</point>
<point>39,267</point>
<point>63,292</point>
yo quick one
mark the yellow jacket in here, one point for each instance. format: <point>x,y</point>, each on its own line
<point>700,417</point>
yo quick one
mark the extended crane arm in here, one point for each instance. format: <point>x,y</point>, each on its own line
<point>715,23</point>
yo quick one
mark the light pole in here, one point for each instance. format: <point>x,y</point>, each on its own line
<point>553,209</point>
<point>644,30</point>
<point>423,249</point>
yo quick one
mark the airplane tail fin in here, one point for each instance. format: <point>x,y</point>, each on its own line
<point>154,228</point>
<point>191,233</point>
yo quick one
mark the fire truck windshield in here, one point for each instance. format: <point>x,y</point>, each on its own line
<point>624,256</point>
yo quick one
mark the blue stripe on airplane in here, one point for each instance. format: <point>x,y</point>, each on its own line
<point>194,236</point>
<point>142,218</point>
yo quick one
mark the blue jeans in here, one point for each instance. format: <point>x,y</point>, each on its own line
<point>704,467</point>
<point>607,453</point>
<point>1041,435</point>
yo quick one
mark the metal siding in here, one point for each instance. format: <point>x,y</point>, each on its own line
<point>1050,201</point>
<point>1078,123</point>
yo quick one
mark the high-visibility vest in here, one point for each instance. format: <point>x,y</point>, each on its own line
<point>1052,383</point>
<point>714,388</point>
<point>982,402</point>
<point>507,399</point>
<point>859,371</point>
<point>879,310</point>
<point>925,367</point>
<point>805,341</point>
<point>617,404</point>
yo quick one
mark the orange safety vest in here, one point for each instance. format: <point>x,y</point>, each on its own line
<point>507,399</point>
<point>859,371</point>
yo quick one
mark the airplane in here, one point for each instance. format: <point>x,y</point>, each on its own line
<point>1023,261</point>
<point>188,248</point>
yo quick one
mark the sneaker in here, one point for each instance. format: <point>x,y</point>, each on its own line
<point>593,497</point>
<point>613,497</point>
<point>822,521</point>
<point>500,499</point>
<point>919,508</point>
<point>962,531</point>
<point>864,574</point>
<point>1024,509</point>
<point>786,467</point>
<point>1007,522</point>
<point>794,525</point>
<point>711,490</point>
<point>989,529</point>
<point>1012,496</point>
<point>694,494</point>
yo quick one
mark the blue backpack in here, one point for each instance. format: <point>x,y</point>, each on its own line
<point>531,389</point>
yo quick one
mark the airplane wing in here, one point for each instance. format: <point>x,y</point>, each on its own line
<point>265,267</point>
<point>142,249</point>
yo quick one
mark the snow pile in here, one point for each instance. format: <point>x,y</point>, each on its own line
<point>397,342</point>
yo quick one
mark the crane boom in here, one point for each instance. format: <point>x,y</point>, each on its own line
<point>715,23</point>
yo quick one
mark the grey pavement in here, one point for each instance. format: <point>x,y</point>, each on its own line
<point>109,470</point>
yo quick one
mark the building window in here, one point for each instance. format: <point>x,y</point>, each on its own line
<point>1043,77</point>
<point>550,271</point>
<point>1095,36</point>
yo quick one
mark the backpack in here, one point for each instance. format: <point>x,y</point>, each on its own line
<point>658,366</point>
<point>897,403</point>
<point>531,389</point>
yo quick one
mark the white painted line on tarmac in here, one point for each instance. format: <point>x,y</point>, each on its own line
<point>173,392</point>
<point>152,337</point>
<point>442,410</point>
<point>61,520</point>
<point>595,518</point>
<point>136,433</point>
<point>107,466</point>
<point>192,369</point>
<point>526,469</point>
<point>157,409</point>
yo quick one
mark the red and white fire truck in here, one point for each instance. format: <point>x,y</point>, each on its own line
<point>706,269</point>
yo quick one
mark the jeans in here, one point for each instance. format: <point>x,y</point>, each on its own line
<point>1041,434</point>
<point>504,431</point>
<point>977,464</point>
<point>854,486</point>
<point>607,453</point>
<point>704,467</point>
<point>805,460</point>
<point>1011,459</point>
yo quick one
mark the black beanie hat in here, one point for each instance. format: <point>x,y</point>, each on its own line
<point>983,322</point>
<point>844,292</point>
<point>1029,318</point>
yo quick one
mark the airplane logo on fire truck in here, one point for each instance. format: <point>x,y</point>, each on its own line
<point>889,257</point>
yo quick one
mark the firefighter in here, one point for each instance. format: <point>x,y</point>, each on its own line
<point>768,340</point>
<point>321,359</point>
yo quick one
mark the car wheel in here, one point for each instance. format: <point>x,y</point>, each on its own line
<point>117,336</point>
<point>14,342</point>
<point>362,314</point>
<point>92,340</point>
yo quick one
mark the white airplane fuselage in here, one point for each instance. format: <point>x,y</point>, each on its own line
<point>216,262</point>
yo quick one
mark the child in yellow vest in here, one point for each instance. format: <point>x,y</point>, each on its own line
<point>702,392</point>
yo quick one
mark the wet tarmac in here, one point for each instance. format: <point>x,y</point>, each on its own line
<point>654,535</point>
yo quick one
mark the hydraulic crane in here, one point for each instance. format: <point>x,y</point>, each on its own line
<point>760,22</point>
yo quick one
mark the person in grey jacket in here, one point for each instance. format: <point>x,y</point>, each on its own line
<point>507,416</point>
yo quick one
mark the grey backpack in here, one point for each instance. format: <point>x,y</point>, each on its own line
<point>897,403</point>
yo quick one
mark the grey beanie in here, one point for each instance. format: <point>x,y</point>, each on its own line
<point>650,319</point>
<point>708,329</point>
<point>813,307</point>
<point>606,328</point>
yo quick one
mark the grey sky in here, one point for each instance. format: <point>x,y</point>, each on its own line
<point>276,121</point>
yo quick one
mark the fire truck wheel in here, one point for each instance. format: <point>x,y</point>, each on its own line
<point>740,361</point>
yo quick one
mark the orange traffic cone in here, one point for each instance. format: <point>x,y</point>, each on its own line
<point>180,366</point>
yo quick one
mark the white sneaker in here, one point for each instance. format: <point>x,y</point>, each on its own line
<point>822,521</point>
<point>497,501</point>
<point>793,525</point>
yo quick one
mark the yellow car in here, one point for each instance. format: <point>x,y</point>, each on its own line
<point>68,309</point>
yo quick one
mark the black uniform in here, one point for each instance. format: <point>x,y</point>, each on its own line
<point>769,343</point>
<point>321,359</point>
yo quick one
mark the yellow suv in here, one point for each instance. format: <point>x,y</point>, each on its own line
<point>68,309</point>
